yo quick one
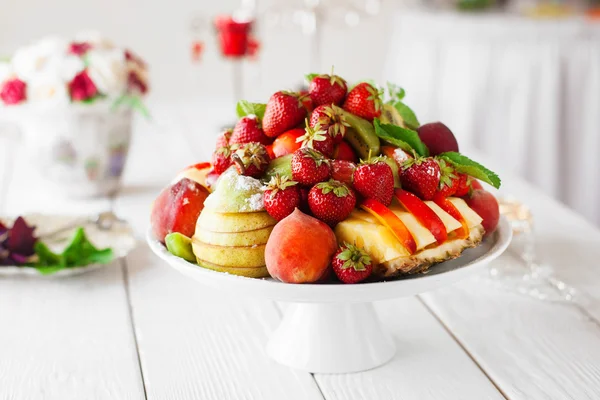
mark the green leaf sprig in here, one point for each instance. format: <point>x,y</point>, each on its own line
<point>407,139</point>
<point>244,108</point>
<point>465,165</point>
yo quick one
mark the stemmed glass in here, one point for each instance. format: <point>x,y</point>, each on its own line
<point>525,274</point>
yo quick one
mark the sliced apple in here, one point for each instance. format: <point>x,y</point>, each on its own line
<point>420,234</point>
<point>472,218</point>
<point>423,213</point>
<point>392,222</point>
<point>449,207</point>
<point>450,223</point>
<point>234,239</point>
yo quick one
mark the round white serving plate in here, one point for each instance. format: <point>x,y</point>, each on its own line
<point>120,238</point>
<point>334,328</point>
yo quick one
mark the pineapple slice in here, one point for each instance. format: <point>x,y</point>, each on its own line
<point>422,236</point>
<point>375,238</point>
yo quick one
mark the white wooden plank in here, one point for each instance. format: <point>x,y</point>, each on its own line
<point>64,338</point>
<point>429,364</point>
<point>531,349</point>
<point>196,343</point>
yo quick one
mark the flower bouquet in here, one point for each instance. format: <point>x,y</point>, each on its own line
<point>72,100</point>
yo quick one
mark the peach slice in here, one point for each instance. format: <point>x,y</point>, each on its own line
<point>392,222</point>
<point>426,216</point>
<point>197,172</point>
<point>447,206</point>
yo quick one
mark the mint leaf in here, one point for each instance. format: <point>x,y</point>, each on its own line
<point>310,77</point>
<point>80,252</point>
<point>408,115</point>
<point>395,92</point>
<point>244,108</point>
<point>465,165</point>
<point>406,139</point>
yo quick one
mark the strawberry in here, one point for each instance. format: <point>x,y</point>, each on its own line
<point>248,130</point>
<point>342,170</point>
<point>421,176</point>
<point>374,179</point>
<point>306,101</point>
<point>327,89</point>
<point>223,139</point>
<point>251,159</point>
<point>448,179</point>
<point>286,142</point>
<point>351,264</point>
<point>331,201</point>
<point>221,159</point>
<point>284,111</point>
<point>282,196</point>
<point>331,120</point>
<point>364,101</point>
<point>317,139</point>
<point>343,151</point>
<point>309,166</point>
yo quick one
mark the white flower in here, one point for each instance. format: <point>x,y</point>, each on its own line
<point>95,39</point>
<point>31,60</point>
<point>107,69</point>
<point>48,88</point>
<point>5,71</point>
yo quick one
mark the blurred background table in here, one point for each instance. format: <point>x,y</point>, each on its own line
<point>524,91</point>
<point>137,329</point>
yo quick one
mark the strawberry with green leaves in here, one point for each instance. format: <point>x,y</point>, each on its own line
<point>374,179</point>
<point>331,201</point>
<point>421,176</point>
<point>309,167</point>
<point>251,159</point>
<point>331,119</point>
<point>247,130</point>
<point>364,100</point>
<point>284,111</point>
<point>327,89</point>
<point>351,264</point>
<point>316,138</point>
<point>221,159</point>
<point>449,179</point>
<point>282,196</point>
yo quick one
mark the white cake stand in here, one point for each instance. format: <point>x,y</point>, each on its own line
<point>334,328</point>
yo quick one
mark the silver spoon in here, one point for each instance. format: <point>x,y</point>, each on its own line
<point>104,221</point>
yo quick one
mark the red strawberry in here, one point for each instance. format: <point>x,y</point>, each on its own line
<point>282,196</point>
<point>306,100</point>
<point>251,159</point>
<point>223,139</point>
<point>343,151</point>
<point>331,201</point>
<point>351,264</point>
<point>309,166</point>
<point>221,159</point>
<point>317,139</point>
<point>421,176</point>
<point>331,120</point>
<point>247,130</point>
<point>286,142</point>
<point>374,179</point>
<point>364,101</point>
<point>342,170</point>
<point>327,89</point>
<point>449,180</point>
<point>284,111</point>
<point>475,184</point>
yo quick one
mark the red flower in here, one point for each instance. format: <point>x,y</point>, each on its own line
<point>13,91</point>
<point>135,83</point>
<point>80,48</point>
<point>82,87</point>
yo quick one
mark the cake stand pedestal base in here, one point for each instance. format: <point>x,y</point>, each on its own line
<point>331,338</point>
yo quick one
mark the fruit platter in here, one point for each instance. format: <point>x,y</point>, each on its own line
<point>330,199</point>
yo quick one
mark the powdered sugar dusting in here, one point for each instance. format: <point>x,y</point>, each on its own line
<point>236,193</point>
<point>256,202</point>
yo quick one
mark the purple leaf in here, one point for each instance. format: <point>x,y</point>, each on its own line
<point>21,238</point>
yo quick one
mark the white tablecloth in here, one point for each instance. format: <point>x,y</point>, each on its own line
<point>524,91</point>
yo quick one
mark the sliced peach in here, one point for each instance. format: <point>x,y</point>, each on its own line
<point>423,213</point>
<point>447,206</point>
<point>392,222</point>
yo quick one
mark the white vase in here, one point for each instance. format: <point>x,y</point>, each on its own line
<point>80,148</point>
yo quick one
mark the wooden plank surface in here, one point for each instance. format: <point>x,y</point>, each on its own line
<point>64,338</point>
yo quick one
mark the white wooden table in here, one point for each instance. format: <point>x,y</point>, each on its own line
<point>137,329</point>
